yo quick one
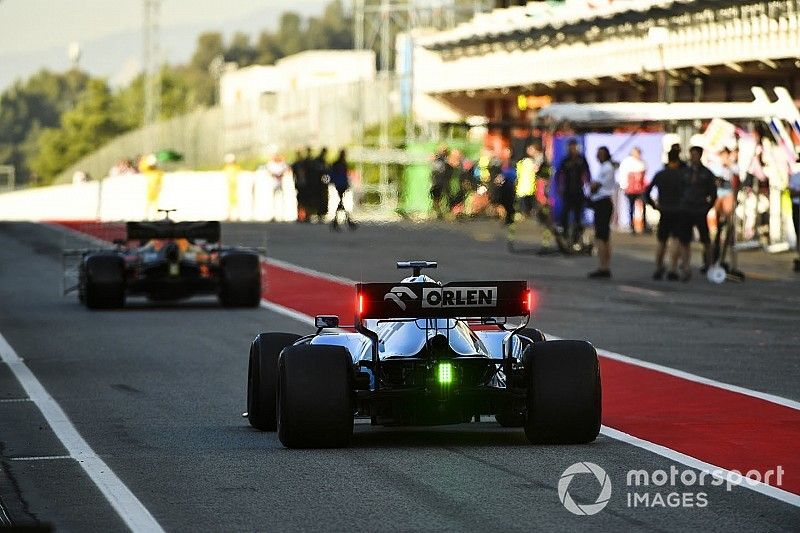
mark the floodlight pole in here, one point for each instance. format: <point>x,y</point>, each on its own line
<point>373,25</point>
<point>151,59</point>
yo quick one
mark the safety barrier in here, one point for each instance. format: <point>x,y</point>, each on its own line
<point>195,195</point>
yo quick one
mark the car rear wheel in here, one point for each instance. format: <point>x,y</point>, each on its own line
<point>315,397</point>
<point>564,392</point>
<point>240,280</point>
<point>533,334</point>
<point>104,282</point>
<point>511,418</point>
<point>262,378</point>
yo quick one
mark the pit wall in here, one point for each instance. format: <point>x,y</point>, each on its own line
<point>195,196</point>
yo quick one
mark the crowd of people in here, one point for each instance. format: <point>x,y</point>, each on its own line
<point>498,184</point>
<point>313,176</point>
<point>683,193</point>
<point>495,184</point>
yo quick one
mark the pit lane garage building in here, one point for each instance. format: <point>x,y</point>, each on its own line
<point>507,63</point>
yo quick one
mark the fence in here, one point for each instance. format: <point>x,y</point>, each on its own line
<point>198,136</point>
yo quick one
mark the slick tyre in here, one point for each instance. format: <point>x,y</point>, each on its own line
<point>104,281</point>
<point>262,378</point>
<point>240,280</point>
<point>315,397</point>
<point>564,392</point>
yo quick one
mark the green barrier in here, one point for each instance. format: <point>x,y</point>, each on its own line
<point>415,184</point>
<point>415,190</point>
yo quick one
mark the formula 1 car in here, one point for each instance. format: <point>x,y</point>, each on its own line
<point>166,260</point>
<point>414,359</point>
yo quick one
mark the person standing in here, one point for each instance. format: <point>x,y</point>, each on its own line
<point>669,184</point>
<point>232,171</point>
<point>455,162</point>
<point>572,175</point>
<point>299,171</point>
<point>676,150</point>
<point>699,195</point>
<point>276,172</point>
<point>440,179</point>
<point>528,169</point>
<point>602,187</point>
<point>632,172</point>
<point>794,193</point>
<point>148,165</point>
<point>318,180</point>
<point>341,182</point>
<point>506,187</point>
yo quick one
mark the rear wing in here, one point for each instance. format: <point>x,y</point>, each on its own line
<point>459,299</point>
<point>208,231</point>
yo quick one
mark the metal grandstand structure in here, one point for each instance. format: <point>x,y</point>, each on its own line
<point>710,51</point>
<point>376,24</point>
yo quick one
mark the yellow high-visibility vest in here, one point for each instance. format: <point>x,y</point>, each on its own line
<point>526,177</point>
<point>483,167</point>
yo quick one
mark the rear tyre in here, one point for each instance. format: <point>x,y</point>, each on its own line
<point>511,418</point>
<point>315,397</point>
<point>533,334</point>
<point>262,378</point>
<point>564,392</point>
<point>240,280</point>
<point>104,282</point>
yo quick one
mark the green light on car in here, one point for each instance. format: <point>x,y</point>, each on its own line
<point>445,373</point>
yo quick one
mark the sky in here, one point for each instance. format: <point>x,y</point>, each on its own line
<point>36,33</point>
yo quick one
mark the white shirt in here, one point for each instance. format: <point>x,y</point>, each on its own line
<point>794,184</point>
<point>277,170</point>
<point>626,167</point>
<point>605,177</point>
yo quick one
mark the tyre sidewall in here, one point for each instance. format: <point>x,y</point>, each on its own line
<point>564,404</point>
<point>315,396</point>
<point>262,378</point>
<point>240,279</point>
<point>104,281</point>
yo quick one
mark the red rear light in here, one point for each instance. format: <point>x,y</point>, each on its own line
<point>528,301</point>
<point>360,304</point>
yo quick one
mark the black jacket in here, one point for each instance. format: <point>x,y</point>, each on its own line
<point>700,189</point>
<point>670,185</point>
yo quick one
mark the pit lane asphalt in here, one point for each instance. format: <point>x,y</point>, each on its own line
<point>157,392</point>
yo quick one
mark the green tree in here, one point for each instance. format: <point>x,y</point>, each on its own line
<point>209,46</point>
<point>95,120</point>
<point>291,34</point>
<point>198,73</point>
<point>51,120</point>
<point>178,97</point>
<point>331,31</point>
<point>240,51</point>
<point>268,49</point>
<point>27,108</point>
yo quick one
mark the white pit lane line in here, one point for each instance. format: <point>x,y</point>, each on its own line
<point>668,453</point>
<point>125,503</point>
